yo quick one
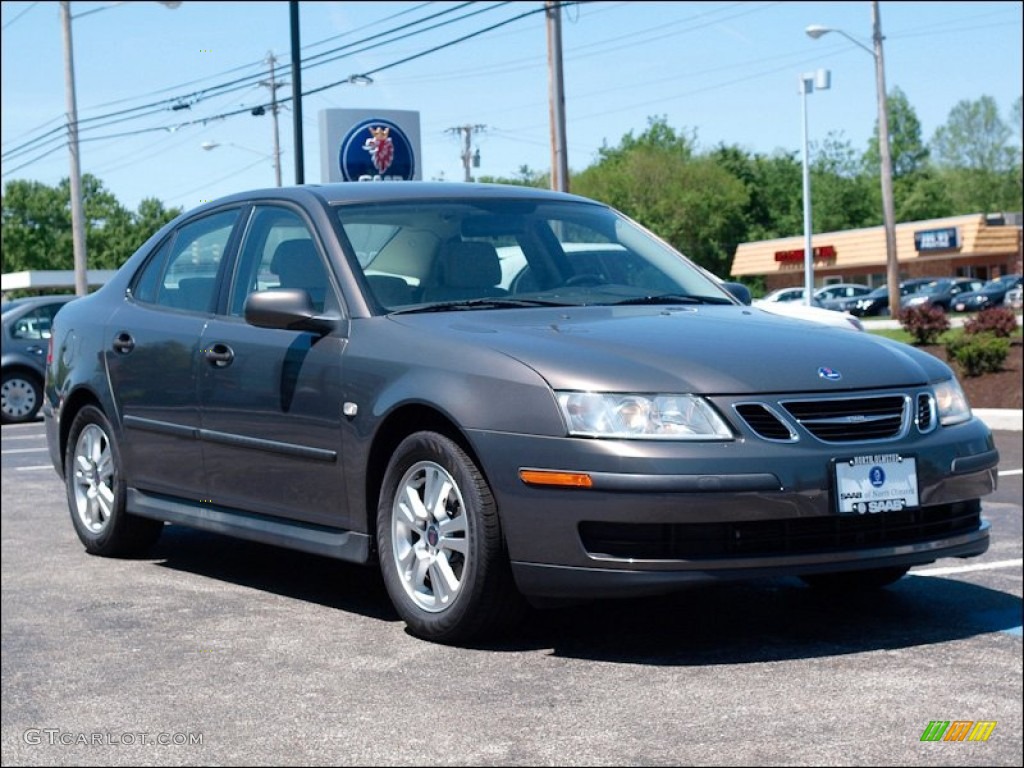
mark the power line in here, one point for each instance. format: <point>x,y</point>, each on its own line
<point>248,109</point>
<point>31,6</point>
<point>177,103</point>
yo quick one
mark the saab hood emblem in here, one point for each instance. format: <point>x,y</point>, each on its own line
<point>830,374</point>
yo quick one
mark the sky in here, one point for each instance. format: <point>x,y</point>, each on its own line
<point>723,72</point>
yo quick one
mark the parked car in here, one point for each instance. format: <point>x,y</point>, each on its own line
<point>877,302</point>
<point>1013,298</point>
<point>822,296</point>
<point>836,296</point>
<point>26,324</point>
<point>992,294</point>
<point>783,295</point>
<point>338,369</point>
<point>941,293</point>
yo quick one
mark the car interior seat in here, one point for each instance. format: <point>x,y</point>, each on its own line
<point>297,265</point>
<point>467,269</point>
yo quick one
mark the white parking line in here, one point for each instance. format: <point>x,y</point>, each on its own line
<point>33,469</point>
<point>968,568</point>
<point>23,437</point>
<point>24,450</point>
<point>1008,472</point>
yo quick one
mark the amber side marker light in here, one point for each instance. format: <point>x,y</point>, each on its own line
<point>562,479</point>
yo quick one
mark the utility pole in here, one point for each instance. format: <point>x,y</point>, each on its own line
<point>469,158</point>
<point>892,263</point>
<point>77,213</point>
<point>559,159</point>
<point>273,85</point>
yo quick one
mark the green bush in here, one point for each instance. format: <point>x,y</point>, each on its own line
<point>978,353</point>
<point>999,321</point>
<point>925,323</point>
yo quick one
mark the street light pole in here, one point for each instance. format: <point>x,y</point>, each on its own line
<point>892,266</point>
<point>77,214</point>
<point>821,78</point>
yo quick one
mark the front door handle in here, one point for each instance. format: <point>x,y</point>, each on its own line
<point>219,355</point>
<point>124,343</point>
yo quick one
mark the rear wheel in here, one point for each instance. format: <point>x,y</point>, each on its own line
<point>441,550</point>
<point>96,491</point>
<point>856,581</point>
<point>21,394</point>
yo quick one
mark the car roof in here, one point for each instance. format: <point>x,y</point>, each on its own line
<point>26,301</point>
<point>368,192</point>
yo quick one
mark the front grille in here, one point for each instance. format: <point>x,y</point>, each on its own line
<point>925,413</point>
<point>763,538</point>
<point>764,422</point>
<point>845,420</point>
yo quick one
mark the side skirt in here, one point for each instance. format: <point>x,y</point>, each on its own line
<point>315,539</point>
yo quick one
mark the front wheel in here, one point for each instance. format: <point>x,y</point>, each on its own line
<point>441,549</point>
<point>856,581</point>
<point>96,491</point>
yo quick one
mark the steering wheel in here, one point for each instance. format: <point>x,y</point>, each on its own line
<point>588,278</point>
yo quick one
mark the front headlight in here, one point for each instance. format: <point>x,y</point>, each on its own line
<point>664,417</point>
<point>951,403</point>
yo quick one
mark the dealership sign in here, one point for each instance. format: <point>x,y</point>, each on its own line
<point>945,239</point>
<point>364,145</point>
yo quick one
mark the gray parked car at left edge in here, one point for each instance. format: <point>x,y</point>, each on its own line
<point>26,324</point>
<point>496,393</point>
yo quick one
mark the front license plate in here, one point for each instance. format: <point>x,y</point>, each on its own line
<point>885,482</point>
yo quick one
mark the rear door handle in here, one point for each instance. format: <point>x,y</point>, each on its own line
<point>124,343</point>
<point>219,355</point>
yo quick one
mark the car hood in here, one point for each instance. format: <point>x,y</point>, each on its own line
<point>712,350</point>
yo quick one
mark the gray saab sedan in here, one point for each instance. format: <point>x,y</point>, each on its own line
<point>504,396</point>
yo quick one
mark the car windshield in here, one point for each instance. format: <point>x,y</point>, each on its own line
<point>938,286</point>
<point>495,254</point>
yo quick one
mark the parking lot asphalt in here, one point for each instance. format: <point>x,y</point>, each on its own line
<point>217,651</point>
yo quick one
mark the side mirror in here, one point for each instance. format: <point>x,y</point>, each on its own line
<point>287,309</point>
<point>739,291</point>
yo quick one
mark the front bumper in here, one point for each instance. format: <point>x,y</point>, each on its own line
<point>665,514</point>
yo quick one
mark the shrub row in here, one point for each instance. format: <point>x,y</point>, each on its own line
<point>982,348</point>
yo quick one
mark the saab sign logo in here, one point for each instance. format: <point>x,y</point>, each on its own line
<point>376,150</point>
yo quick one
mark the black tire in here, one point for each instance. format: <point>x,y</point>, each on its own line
<point>458,544</point>
<point>856,581</point>
<point>95,485</point>
<point>21,395</point>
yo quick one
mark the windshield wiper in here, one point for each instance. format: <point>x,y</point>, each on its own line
<point>469,304</point>
<point>673,298</point>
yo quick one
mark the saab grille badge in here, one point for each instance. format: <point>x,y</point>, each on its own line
<point>829,373</point>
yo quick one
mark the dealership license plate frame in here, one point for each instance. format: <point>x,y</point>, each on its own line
<point>860,490</point>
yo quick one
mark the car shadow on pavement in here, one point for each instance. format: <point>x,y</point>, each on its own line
<point>731,623</point>
<point>276,570</point>
<point>778,620</point>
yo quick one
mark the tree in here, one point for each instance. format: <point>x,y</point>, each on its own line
<point>909,152</point>
<point>656,178</point>
<point>980,165</point>
<point>774,186</point>
<point>842,196</point>
<point>36,225</point>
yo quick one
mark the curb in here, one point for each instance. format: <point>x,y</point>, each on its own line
<point>1001,418</point>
